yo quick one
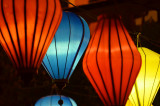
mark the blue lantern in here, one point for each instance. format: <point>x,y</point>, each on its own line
<point>55,100</point>
<point>67,47</point>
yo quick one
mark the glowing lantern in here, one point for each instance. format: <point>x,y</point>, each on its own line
<point>148,80</point>
<point>111,61</point>
<point>27,27</point>
<point>129,103</point>
<point>67,47</point>
<point>55,100</point>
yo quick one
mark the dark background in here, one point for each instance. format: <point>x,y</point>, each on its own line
<point>13,91</point>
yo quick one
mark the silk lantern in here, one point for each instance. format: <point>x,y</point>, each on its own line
<point>55,100</point>
<point>67,47</point>
<point>148,80</point>
<point>27,27</point>
<point>111,61</point>
<point>129,103</point>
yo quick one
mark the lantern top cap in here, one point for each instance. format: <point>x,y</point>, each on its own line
<point>105,16</point>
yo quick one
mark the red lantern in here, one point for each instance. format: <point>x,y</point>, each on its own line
<point>112,61</point>
<point>27,28</point>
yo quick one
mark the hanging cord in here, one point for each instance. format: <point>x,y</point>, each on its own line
<point>58,91</point>
<point>85,11</point>
<point>136,88</point>
<point>145,65</point>
<point>138,39</point>
<point>141,36</point>
<point>150,41</point>
<point>60,102</point>
<point>138,42</point>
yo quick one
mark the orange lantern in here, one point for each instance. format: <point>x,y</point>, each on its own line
<point>27,28</point>
<point>111,61</point>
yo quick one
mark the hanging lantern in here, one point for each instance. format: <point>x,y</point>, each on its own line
<point>111,61</point>
<point>55,100</point>
<point>27,27</point>
<point>66,49</point>
<point>148,80</point>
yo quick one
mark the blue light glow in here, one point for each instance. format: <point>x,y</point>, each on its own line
<point>67,47</point>
<point>53,101</point>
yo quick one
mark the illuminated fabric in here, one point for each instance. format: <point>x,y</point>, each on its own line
<point>148,80</point>
<point>111,61</point>
<point>27,28</point>
<point>53,101</point>
<point>67,47</point>
<point>129,103</point>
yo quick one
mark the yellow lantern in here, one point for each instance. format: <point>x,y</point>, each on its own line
<point>129,103</point>
<point>148,80</point>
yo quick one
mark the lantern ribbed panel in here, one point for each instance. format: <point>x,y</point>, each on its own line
<point>53,101</point>
<point>111,61</point>
<point>67,47</point>
<point>148,79</point>
<point>27,27</point>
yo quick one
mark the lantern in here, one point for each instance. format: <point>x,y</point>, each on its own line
<point>55,100</point>
<point>111,61</point>
<point>129,103</point>
<point>27,27</point>
<point>148,80</point>
<point>67,47</point>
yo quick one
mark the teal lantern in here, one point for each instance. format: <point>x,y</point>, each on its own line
<point>55,100</point>
<point>67,47</point>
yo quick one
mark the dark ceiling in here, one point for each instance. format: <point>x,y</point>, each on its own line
<point>13,92</point>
